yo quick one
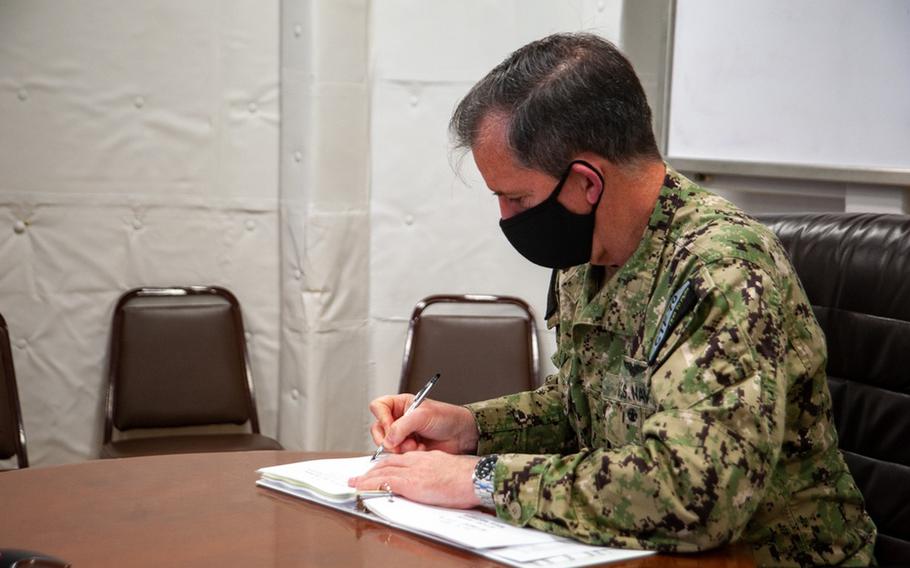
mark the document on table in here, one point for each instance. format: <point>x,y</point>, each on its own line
<point>565,553</point>
<point>325,482</point>
<point>325,478</point>
<point>468,528</point>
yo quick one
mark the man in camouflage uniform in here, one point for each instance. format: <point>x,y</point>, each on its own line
<point>690,406</point>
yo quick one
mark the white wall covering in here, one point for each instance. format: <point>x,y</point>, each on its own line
<point>138,146</point>
<point>325,233</point>
<point>433,232</point>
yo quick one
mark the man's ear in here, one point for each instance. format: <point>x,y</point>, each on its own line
<point>592,185</point>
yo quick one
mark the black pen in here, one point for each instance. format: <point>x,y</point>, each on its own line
<point>421,394</point>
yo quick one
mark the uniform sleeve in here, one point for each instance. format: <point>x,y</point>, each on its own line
<point>705,456</point>
<point>533,421</point>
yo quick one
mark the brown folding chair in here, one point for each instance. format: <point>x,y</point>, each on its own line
<point>479,355</point>
<point>178,359</point>
<point>12,433</point>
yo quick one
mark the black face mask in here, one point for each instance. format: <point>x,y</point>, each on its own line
<point>550,235</point>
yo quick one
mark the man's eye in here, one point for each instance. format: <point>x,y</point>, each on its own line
<point>514,200</point>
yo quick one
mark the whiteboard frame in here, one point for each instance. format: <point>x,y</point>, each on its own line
<point>817,172</point>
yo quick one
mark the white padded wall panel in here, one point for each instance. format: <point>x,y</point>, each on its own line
<point>335,283</point>
<point>339,144</point>
<point>139,147</point>
<point>167,96</point>
<point>420,40</point>
<point>325,229</point>
<point>433,231</point>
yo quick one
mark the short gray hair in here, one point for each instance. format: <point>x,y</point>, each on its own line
<point>562,95</point>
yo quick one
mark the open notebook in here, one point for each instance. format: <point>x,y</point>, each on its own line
<point>325,482</point>
<point>323,479</point>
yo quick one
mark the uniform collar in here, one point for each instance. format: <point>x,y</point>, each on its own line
<point>619,303</point>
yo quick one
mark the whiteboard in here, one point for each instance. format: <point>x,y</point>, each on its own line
<point>819,83</point>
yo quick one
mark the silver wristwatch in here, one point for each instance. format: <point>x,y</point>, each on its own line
<point>483,478</point>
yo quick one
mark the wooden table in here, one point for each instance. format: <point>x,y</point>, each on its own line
<point>205,510</point>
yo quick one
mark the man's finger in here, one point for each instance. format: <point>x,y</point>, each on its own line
<point>377,431</point>
<point>405,427</point>
<point>382,408</point>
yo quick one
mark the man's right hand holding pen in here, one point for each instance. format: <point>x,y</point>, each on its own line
<point>435,474</point>
<point>432,426</point>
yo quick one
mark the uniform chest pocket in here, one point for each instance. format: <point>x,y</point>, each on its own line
<point>626,402</point>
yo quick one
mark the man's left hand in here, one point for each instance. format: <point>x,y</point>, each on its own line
<point>434,478</point>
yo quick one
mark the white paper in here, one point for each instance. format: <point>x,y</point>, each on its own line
<point>470,528</point>
<point>326,477</point>
<point>346,505</point>
<point>564,552</point>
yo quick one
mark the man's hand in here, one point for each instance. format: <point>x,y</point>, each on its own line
<point>431,426</point>
<point>434,478</point>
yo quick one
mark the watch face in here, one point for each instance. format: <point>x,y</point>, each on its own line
<point>486,465</point>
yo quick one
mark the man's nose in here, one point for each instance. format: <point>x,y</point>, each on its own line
<point>507,208</point>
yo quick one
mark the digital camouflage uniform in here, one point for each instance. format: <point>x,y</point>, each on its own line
<point>727,436</point>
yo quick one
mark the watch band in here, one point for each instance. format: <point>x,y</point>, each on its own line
<point>483,479</point>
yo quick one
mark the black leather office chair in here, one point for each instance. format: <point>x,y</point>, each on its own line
<point>479,355</point>
<point>856,272</point>
<point>178,358</point>
<point>12,432</point>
